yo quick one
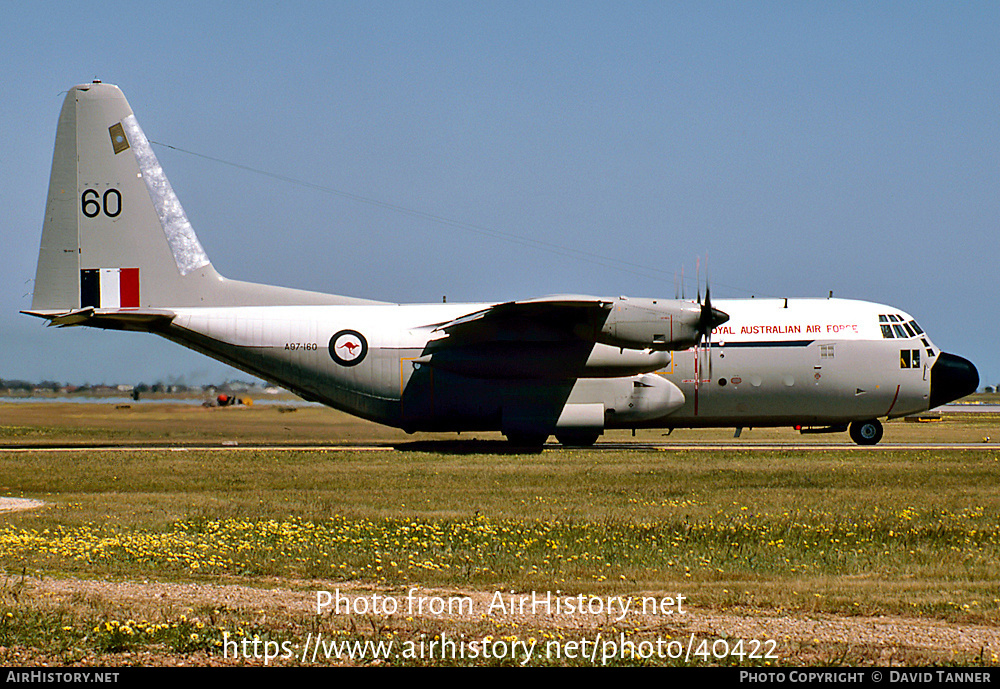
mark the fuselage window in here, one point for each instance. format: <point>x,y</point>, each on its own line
<point>909,358</point>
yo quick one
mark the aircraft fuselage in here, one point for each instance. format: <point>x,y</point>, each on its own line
<point>809,362</point>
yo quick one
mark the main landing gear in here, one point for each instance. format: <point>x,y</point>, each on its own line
<point>866,432</point>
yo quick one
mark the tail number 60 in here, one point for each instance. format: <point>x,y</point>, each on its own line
<point>92,203</point>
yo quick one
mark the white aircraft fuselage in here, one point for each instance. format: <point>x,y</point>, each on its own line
<point>804,362</point>
<point>118,252</point>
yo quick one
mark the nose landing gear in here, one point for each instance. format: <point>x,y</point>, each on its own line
<point>866,432</point>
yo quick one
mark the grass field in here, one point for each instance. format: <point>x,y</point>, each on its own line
<point>163,556</point>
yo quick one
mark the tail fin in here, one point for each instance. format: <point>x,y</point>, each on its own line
<point>115,235</point>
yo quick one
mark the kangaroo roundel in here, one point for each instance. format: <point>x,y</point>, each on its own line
<point>348,347</point>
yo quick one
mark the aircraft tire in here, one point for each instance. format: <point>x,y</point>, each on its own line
<point>866,432</point>
<point>578,439</point>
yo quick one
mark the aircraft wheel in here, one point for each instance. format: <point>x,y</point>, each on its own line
<point>533,442</point>
<point>866,432</point>
<point>579,438</point>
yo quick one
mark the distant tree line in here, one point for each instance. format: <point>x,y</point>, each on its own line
<point>24,385</point>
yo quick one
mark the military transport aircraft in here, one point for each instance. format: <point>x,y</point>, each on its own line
<point>118,252</point>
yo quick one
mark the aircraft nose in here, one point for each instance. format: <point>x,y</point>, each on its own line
<point>952,377</point>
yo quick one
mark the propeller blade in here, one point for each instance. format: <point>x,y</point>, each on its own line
<point>697,275</point>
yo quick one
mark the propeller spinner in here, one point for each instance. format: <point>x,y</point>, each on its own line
<point>711,318</point>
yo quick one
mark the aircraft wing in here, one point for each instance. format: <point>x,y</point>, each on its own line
<point>558,318</point>
<point>553,338</point>
<point>640,324</point>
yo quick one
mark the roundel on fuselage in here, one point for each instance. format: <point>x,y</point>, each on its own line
<point>348,347</point>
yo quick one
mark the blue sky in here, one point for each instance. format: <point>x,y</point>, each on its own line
<point>803,147</point>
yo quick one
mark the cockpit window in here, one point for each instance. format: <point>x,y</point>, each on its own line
<point>895,326</point>
<point>883,321</point>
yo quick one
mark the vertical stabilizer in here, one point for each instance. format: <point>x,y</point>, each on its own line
<point>115,235</point>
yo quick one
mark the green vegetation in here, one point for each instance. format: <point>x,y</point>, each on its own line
<point>571,518</point>
<point>859,532</point>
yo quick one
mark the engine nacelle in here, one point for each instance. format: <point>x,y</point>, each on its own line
<point>658,324</point>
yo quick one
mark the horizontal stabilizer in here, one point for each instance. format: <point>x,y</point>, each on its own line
<point>109,319</point>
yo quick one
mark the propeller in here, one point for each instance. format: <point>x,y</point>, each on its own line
<point>708,320</point>
<point>711,318</point>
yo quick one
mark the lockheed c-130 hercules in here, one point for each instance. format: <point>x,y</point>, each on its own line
<point>118,252</point>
